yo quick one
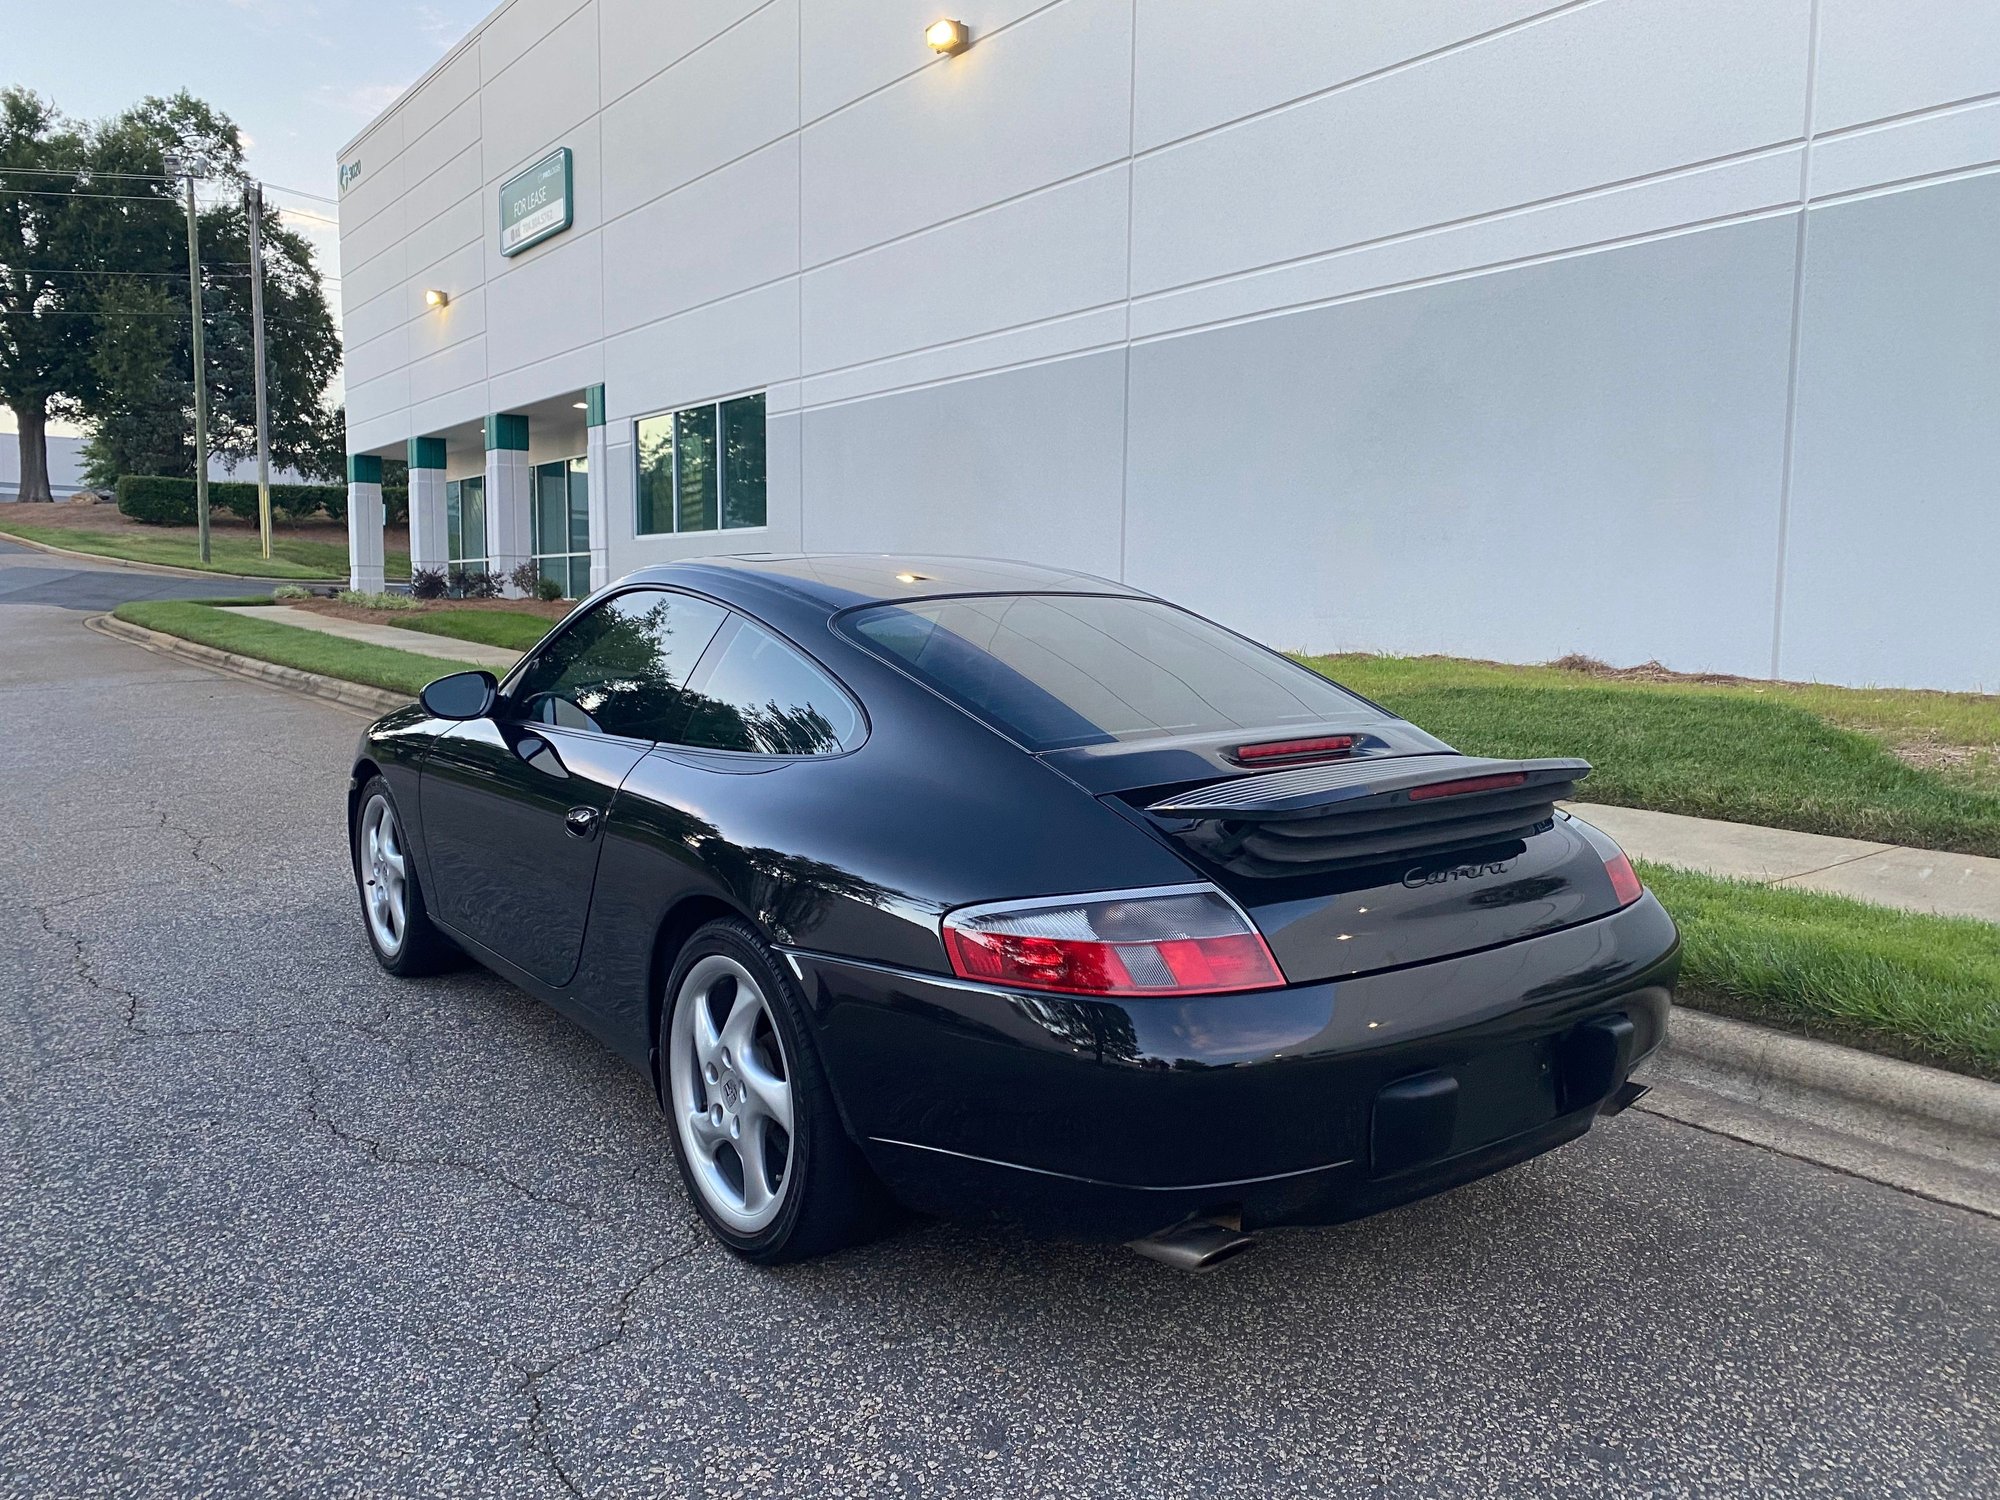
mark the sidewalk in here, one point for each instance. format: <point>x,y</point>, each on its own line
<point>496,659</point>
<point>1920,880</point>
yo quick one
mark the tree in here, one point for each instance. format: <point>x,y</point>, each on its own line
<point>139,408</point>
<point>127,364</point>
<point>46,326</point>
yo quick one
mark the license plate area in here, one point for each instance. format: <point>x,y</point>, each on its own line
<point>1472,1102</point>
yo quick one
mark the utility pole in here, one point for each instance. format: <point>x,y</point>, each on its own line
<point>257,357</point>
<point>200,382</point>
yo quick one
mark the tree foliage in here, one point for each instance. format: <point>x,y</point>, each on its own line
<point>105,335</point>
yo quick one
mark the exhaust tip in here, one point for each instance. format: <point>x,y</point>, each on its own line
<point>1198,1245</point>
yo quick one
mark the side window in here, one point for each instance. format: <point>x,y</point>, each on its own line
<point>764,697</point>
<point>620,669</point>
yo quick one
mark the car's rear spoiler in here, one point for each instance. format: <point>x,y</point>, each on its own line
<point>1450,782</point>
<point>1353,812</point>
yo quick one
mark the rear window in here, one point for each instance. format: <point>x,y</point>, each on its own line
<point>1057,670</point>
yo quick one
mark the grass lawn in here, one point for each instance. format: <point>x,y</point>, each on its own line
<point>308,650</point>
<point>1921,987</point>
<point>1816,759</point>
<point>488,627</point>
<point>230,551</point>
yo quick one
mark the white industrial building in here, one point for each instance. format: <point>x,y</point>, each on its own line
<point>1507,328</point>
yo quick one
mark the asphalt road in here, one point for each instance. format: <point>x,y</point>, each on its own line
<point>271,1221</point>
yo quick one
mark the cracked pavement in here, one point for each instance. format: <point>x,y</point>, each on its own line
<point>274,1222</point>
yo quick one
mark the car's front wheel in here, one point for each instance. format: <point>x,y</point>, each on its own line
<point>392,899</point>
<point>759,1141</point>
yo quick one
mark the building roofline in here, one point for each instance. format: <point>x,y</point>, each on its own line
<point>451,55</point>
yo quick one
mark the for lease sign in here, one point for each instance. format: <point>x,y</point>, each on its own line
<point>537,203</point>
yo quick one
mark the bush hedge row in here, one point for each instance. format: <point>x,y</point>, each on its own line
<point>158,500</point>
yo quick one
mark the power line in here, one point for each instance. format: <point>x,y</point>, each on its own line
<point>91,271</point>
<point>301,193</point>
<point>108,317</point>
<point>83,193</point>
<point>91,172</point>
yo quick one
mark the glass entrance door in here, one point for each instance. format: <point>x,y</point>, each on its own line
<point>562,525</point>
<point>465,524</point>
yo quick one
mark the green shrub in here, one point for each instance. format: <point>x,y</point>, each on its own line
<point>160,501</point>
<point>155,500</point>
<point>291,591</point>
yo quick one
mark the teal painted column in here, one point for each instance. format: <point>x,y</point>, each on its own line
<point>510,497</point>
<point>430,533</point>
<point>364,523</point>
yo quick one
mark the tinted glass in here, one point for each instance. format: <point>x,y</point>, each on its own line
<point>656,474</point>
<point>465,521</point>
<point>763,696</point>
<point>694,467</point>
<point>620,668</point>
<point>743,462</point>
<point>1058,670</point>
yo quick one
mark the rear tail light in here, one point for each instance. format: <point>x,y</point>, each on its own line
<point>1625,882</point>
<point>1184,940</point>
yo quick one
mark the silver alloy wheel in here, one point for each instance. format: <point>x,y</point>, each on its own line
<point>730,1083</point>
<point>385,876</point>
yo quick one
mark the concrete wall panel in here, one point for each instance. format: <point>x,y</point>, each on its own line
<point>736,94</point>
<point>1595,96</point>
<point>1038,257</point>
<point>1878,59</point>
<point>1039,102</point>
<point>1579,456</point>
<point>1895,517</point>
<point>724,233</point>
<point>1023,464</point>
<point>651,36</point>
<point>1201,65</point>
<point>548,91</point>
<point>741,344</point>
<point>853,47</point>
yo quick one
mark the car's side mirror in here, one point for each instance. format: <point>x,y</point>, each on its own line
<point>463,695</point>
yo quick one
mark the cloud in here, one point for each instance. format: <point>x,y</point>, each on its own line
<point>438,29</point>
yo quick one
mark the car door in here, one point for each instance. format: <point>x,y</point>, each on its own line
<point>513,806</point>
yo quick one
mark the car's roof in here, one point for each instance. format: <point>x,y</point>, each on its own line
<point>840,580</point>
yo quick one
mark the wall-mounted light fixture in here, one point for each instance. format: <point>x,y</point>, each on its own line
<point>948,36</point>
<point>581,405</point>
<point>436,298</point>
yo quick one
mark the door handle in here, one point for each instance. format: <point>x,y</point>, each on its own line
<point>580,822</point>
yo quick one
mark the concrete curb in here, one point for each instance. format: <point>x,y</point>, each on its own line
<point>1920,1129</point>
<point>163,568</point>
<point>372,702</point>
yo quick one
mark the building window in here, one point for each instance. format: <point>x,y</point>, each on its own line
<point>465,523</point>
<point>562,525</point>
<point>702,468</point>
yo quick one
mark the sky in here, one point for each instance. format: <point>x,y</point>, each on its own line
<point>300,77</point>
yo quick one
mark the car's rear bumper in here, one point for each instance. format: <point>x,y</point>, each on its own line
<point>1310,1104</point>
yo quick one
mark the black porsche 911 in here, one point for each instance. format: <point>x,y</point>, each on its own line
<point>982,888</point>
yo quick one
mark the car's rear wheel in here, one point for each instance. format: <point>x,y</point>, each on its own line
<point>392,899</point>
<point>760,1144</point>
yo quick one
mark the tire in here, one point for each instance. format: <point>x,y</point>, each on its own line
<point>751,1082</point>
<point>399,928</point>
